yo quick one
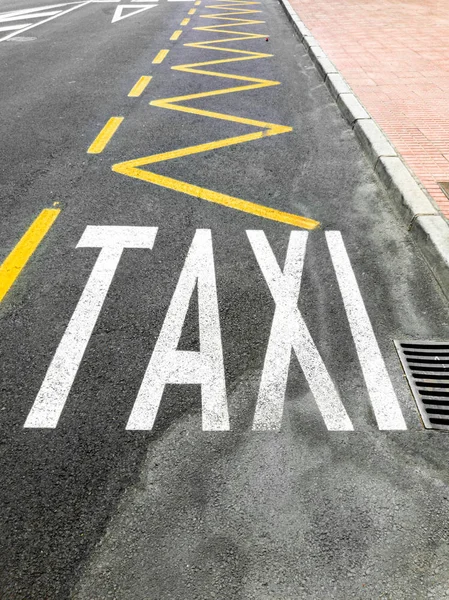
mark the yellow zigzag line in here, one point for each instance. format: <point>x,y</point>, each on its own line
<point>132,167</point>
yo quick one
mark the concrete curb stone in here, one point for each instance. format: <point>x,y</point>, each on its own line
<point>407,195</point>
<point>301,28</point>
<point>309,42</point>
<point>325,66</point>
<point>337,85</point>
<point>424,221</point>
<point>431,234</point>
<point>351,108</point>
<point>373,140</point>
<point>315,53</point>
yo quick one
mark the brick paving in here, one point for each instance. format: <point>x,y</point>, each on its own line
<point>395,56</point>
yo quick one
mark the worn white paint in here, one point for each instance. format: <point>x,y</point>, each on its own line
<point>383,398</point>
<point>56,16</point>
<point>26,16</point>
<point>288,332</point>
<point>138,8</point>
<point>36,9</point>
<point>13,27</point>
<point>169,365</point>
<point>58,381</point>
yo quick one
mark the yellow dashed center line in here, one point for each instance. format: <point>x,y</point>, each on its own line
<point>197,3</point>
<point>192,11</point>
<point>160,57</point>
<point>140,86</point>
<point>176,35</point>
<point>103,138</point>
<point>18,258</point>
<point>185,22</point>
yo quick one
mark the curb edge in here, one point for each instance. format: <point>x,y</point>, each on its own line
<point>428,228</point>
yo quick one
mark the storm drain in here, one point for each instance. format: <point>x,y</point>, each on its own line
<point>444,185</point>
<point>426,365</point>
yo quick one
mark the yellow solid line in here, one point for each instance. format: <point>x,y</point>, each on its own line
<point>216,197</point>
<point>131,168</point>
<point>139,86</point>
<point>18,258</point>
<point>192,11</point>
<point>102,139</point>
<point>160,57</point>
<point>176,35</point>
<point>185,22</point>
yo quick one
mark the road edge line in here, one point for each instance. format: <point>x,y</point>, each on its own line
<point>424,221</point>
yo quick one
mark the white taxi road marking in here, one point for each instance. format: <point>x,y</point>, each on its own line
<point>288,332</point>
<point>58,381</point>
<point>383,398</point>
<point>169,365</point>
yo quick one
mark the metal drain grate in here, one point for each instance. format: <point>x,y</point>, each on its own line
<point>444,185</point>
<point>426,365</point>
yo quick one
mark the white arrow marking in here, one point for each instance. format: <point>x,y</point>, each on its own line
<point>118,16</point>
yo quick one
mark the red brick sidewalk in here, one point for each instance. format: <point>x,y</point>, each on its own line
<point>395,56</point>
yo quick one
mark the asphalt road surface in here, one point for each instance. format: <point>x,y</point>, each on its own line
<point>200,392</point>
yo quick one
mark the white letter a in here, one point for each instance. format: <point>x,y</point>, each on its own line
<point>169,365</point>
